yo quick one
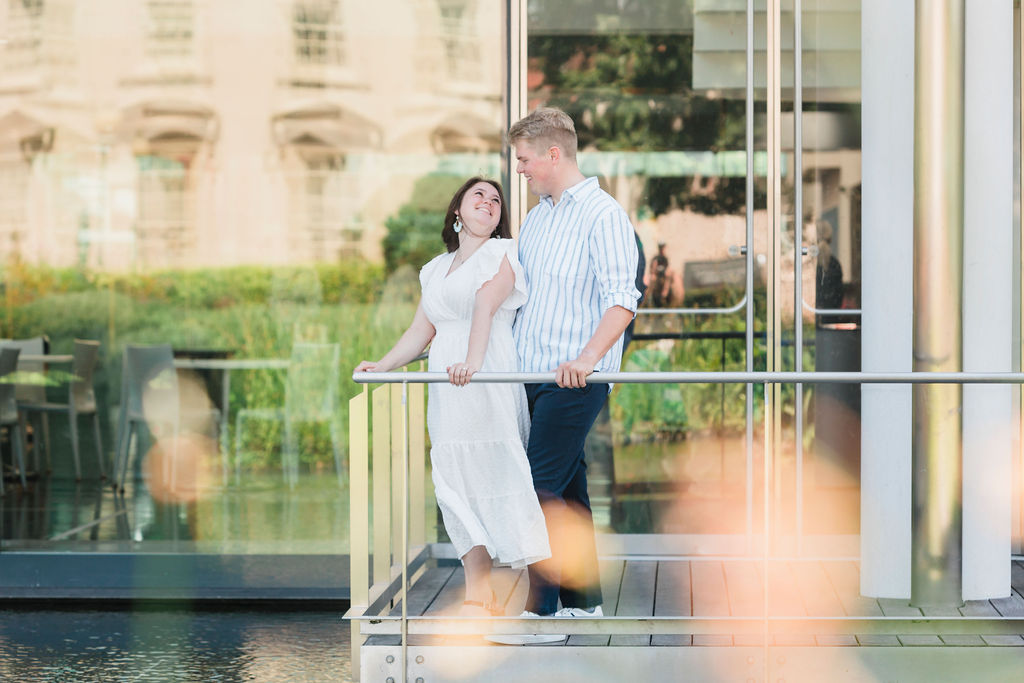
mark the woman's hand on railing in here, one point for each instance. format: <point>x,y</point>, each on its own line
<point>370,366</point>
<point>459,374</point>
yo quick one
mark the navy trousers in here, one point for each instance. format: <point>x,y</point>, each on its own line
<point>561,419</point>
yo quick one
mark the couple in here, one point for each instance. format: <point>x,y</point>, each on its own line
<point>578,257</point>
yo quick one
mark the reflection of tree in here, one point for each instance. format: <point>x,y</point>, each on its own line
<point>414,233</point>
<point>633,91</point>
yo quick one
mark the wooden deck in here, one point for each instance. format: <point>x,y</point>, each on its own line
<point>811,594</point>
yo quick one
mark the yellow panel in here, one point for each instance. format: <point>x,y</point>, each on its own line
<point>417,483</point>
<point>359,509</point>
<point>381,484</point>
<point>398,444</point>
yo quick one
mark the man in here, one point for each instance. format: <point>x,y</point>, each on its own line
<point>580,255</point>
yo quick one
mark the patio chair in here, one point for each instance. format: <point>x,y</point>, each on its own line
<point>148,379</point>
<point>9,415</point>
<point>310,395</point>
<point>81,401</point>
<point>34,392</point>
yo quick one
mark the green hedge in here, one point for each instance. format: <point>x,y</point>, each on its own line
<point>259,312</point>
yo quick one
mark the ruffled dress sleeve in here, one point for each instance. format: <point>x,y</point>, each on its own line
<point>427,271</point>
<point>489,261</point>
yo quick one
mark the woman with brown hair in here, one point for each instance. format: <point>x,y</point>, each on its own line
<point>477,432</point>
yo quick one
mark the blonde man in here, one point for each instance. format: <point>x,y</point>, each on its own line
<point>580,255</point>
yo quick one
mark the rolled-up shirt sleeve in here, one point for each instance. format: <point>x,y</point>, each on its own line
<point>614,258</point>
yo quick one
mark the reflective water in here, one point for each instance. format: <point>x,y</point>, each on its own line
<point>173,645</point>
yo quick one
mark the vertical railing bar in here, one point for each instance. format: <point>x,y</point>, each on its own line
<point>381,484</point>
<point>750,276</point>
<point>405,532</point>
<point>1019,351</point>
<point>359,523</point>
<point>772,314</point>
<point>798,240</point>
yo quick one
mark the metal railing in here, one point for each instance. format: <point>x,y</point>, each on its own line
<point>401,552</point>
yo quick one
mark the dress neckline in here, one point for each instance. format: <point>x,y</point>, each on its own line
<point>449,272</point>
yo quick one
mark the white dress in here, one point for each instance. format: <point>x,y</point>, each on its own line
<point>478,432</point>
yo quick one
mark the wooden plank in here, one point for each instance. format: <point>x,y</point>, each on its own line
<point>1017,576</point>
<point>1012,606</point>
<point>672,598</point>
<point>611,582</point>
<point>451,595</point>
<point>819,596</point>
<point>920,641</point>
<point>422,594</point>
<point>979,608</point>
<point>784,599</point>
<point>710,598</point>
<point>836,640</point>
<point>1004,641</point>
<point>636,598</point>
<point>873,640</point>
<point>425,590</point>
<point>897,607</point>
<point>745,587</point>
<point>845,578</point>
<point>926,640</point>
<point>745,583</point>
<point>964,640</point>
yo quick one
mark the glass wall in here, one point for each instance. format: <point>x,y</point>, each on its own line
<point>660,95</point>
<point>253,186</point>
<point>259,194</point>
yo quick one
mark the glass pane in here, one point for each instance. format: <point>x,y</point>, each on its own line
<point>830,268</point>
<point>657,92</point>
<point>257,198</point>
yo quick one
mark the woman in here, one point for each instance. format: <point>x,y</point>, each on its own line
<point>477,432</point>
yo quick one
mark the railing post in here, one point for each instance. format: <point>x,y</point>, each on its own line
<point>936,525</point>
<point>359,510</point>
<point>417,470</point>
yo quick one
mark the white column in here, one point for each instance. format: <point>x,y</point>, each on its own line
<point>887,59</point>
<point>988,296</point>
<point>887,121</point>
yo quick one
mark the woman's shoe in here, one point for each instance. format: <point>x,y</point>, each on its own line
<point>492,608</point>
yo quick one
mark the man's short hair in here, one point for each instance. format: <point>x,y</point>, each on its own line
<point>546,127</point>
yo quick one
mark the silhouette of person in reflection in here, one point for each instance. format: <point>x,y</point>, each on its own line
<point>661,279</point>
<point>828,278</point>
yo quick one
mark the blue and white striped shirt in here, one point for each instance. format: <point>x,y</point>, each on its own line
<point>580,258</point>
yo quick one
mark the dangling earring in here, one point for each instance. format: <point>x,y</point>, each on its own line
<point>457,226</point>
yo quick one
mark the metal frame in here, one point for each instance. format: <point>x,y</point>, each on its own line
<point>392,578</point>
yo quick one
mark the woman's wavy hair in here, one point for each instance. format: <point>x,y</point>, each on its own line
<point>501,231</point>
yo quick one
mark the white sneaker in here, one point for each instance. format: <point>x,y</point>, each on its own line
<point>525,638</point>
<point>580,612</point>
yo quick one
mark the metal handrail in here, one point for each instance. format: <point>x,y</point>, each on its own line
<point>694,311</point>
<point>705,377</point>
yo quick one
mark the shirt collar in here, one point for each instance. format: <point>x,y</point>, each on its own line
<point>577,191</point>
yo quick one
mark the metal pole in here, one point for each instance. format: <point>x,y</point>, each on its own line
<point>937,533</point>
<point>515,37</point>
<point>773,318</point>
<point>749,355</point>
<point>798,240</point>
<point>405,531</point>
